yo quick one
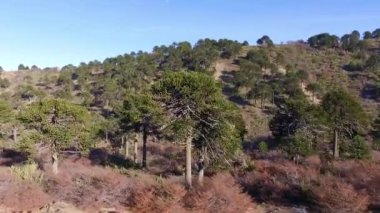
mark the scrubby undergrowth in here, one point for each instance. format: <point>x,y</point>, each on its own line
<point>341,186</point>
<point>91,188</point>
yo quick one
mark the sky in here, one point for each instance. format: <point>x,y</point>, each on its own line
<point>50,33</point>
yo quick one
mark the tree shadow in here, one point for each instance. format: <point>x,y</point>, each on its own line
<point>227,77</point>
<point>253,143</point>
<point>11,157</point>
<point>374,208</point>
<point>369,92</point>
<point>100,156</point>
<point>237,99</point>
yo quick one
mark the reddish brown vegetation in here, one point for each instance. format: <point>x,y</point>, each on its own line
<point>282,182</point>
<point>92,188</point>
<point>220,193</point>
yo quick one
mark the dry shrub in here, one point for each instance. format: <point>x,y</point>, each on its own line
<point>165,159</point>
<point>220,193</point>
<point>22,197</point>
<point>332,195</point>
<point>363,175</point>
<point>19,195</point>
<point>290,184</point>
<point>160,196</point>
<point>93,187</point>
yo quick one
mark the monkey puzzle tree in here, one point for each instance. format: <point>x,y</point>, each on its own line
<point>266,41</point>
<point>141,113</point>
<point>218,138</point>
<point>296,124</point>
<point>58,124</point>
<point>345,114</point>
<point>195,102</point>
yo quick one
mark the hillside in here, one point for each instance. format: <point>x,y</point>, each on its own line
<point>265,128</point>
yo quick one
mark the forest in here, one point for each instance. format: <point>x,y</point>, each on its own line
<point>215,126</point>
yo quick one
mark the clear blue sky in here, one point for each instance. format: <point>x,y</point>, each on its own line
<point>59,32</point>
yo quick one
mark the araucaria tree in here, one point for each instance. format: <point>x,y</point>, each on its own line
<point>141,113</point>
<point>58,124</point>
<point>345,114</point>
<point>198,109</point>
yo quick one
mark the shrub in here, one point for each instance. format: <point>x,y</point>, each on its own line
<point>220,193</point>
<point>298,144</point>
<point>4,83</point>
<point>333,195</point>
<point>287,183</point>
<point>359,149</point>
<point>263,147</point>
<point>27,145</point>
<point>27,172</point>
<point>354,66</point>
<point>28,79</point>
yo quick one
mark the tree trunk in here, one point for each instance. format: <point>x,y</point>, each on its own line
<point>188,159</point>
<point>273,98</point>
<point>135,149</point>
<point>106,136</point>
<point>201,170</point>
<point>55,163</point>
<point>15,135</point>
<point>201,176</point>
<point>336,145</point>
<point>126,147</point>
<point>145,140</point>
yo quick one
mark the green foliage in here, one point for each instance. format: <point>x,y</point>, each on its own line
<point>87,98</point>
<point>28,92</point>
<point>376,33</point>
<point>187,94</point>
<point>141,109</point>
<point>249,74</point>
<point>292,115</point>
<point>65,92</point>
<point>355,65</point>
<point>359,149</point>
<point>367,35</point>
<point>259,57</point>
<point>182,56</point>
<point>302,75</point>
<point>315,88</point>
<point>60,124</point>
<point>323,40</point>
<point>373,63</point>
<point>344,112</point>
<point>27,143</point>
<point>6,113</point>
<point>64,78</point>
<point>298,144</point>
<point>263,147</point>
<point>22,67</point>
<point>229,48</point>
<point>350,41</point>
<point>195,101</point>
<point>266,41</point>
